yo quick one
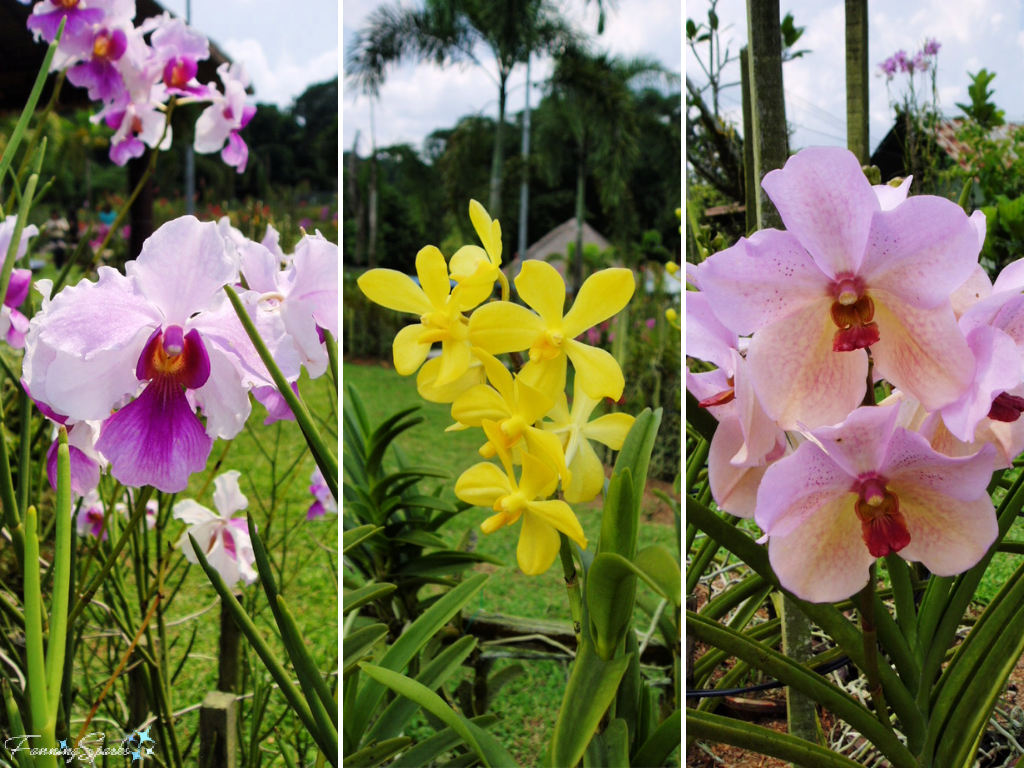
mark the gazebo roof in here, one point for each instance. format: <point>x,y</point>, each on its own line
<point>21,57</point>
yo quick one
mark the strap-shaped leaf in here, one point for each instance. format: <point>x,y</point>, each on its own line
<point>589,693</point>
<point>442,741</point>
<point>809,683</point>
<point>413,639</point>
<point>489,749</point>
<point>763,741</point>
<point>400,711</point>
<point>375,754</point>
<point>357,536</point>
<point>661,744</point>
<point>357,645</point>
<point>444,562</point>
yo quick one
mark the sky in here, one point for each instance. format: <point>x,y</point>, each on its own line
<point>418,99</point>
<point>974,34</point>
<point>284,51</point>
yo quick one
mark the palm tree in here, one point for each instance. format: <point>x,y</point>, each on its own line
<point>595,100</point>
<point>447,32</point>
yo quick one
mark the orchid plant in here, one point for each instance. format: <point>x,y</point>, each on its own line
<point>864,376</point>
<point>542,442</point>
<point>137,374</point>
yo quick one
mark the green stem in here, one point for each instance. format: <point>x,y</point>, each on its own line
<point>867,627</point>
<point>572,587</point>
<point>38,699</point>
<point>325,458</point>
<point>61,575</point>
<point>332,355</point>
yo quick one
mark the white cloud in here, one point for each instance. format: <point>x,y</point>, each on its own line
<point>281,82</point>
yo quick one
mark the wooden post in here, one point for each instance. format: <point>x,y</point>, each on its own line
<point>218,745</point>
<point>771,150</point>
<point>749,182</point>
<point>857,123</point>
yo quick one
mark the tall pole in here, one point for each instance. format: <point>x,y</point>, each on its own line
<point>524,188</point>
<point>749,181</point>
<point>857,131</point>
<point>190,159</point>
<point>771,150</point>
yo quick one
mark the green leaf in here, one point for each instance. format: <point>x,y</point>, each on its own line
<point>762,741</point>
<point>441,742</point>
<point>636,456</point>
<point>358,645</point>
<point>588,694</point>
<point>413,639</point>
<point>489,749</point>
<point>810,684</point>
<point>661,744</point>
<point>444,562</point>
<point>375,754</point>
<point>400,711</point>
<point>420,539</point>
<point>356,598</point>
<point>357,536</point>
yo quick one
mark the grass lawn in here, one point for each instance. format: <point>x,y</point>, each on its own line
<point>528,705</point>
<point>276,466</point>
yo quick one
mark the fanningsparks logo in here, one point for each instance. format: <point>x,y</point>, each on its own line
<point>134,744</point>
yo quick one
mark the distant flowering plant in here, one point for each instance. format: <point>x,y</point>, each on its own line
<point>133,80</point>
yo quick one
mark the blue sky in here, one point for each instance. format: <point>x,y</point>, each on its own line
<point>286,46</point>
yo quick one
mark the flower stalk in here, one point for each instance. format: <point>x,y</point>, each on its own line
<point>572,587</point>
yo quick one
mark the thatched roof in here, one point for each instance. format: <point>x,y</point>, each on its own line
<point>21,57</point>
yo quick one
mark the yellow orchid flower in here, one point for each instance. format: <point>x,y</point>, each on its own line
<point>575,430</point>
<point>426,381</point>
<point>486,485</point>
<point>474,268</point>
<point>440,312</point>
<point>515,407</point>
<point>501,327</point>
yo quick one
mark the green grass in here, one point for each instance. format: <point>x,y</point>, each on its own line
<point>274,462</point>
<point>528,705</point>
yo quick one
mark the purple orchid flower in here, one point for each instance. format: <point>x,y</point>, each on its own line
<point>91,517</point>
<point>86,462</point>
<point>176,52</point>
<point>166,327</point>
<point>225,117</point>
<point>100,74</point>
<point>324,501</point>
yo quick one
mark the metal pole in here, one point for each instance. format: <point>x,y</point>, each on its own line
<point>190,160</point>
<point>524,189</point>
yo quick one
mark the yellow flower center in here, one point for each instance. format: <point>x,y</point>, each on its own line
<point>548,346</point>
<point>513,429</point>
<point>511,504</point>
<point>101,46</point>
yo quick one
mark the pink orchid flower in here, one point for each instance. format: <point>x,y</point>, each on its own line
<point>225,117</point>
<point>323,500</point>
<point>91,516</point>
<point>746,440</point>
<point>867,488</point>
<point>224,539</point>
<point>855,269</point>
<point>167,327</point>
<point>87,463</point>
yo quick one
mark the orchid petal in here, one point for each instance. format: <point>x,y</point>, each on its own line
<point>998,369</point>
<point>601,296</point>
<point>394,290</point>
<point>599,373</point>
<point>827,203</point>
<point>797,487</point>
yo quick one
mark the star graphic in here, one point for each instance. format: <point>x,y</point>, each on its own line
<point>144,737</point>
<point>129,737</point>
<point>136,756</point>
<point>63,744</point>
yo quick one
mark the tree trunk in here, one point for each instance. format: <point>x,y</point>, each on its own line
<point>749,182</point>
<point>357,202</point>
<point>857,131</point>
<point>524,188</point>
<point>581,217</point>
<point>371,251</point>
<point>771,152</point>
<point>498,159</point>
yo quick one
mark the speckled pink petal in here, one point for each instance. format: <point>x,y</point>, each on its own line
<point>706,337</point>
<point>825,559</point>
<point>948,535</point>
<point>733,488</point>
<point>920,251</point>
<point>859,444</point>
<point>997,370</point>
<point>921,351</point>
<point>761,280</point>
<point>826,203</point>
<point>972,290</point>
<point>797,376</point>
<point>796,487</point>
<point>889,196</point>
<point>913,464</point>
